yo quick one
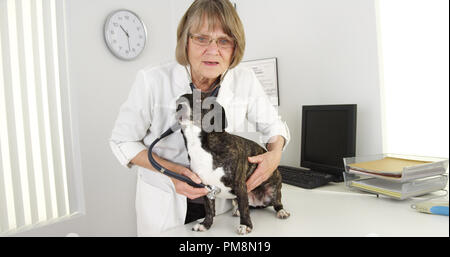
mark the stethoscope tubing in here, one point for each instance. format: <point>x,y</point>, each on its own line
<point>165,171</point>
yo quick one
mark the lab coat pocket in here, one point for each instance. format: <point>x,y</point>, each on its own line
<point>152,207</point>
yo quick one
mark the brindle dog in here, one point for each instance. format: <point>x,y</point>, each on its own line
<point>220,159</point>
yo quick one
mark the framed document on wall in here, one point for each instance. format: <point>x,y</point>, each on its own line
<point>266,71</point>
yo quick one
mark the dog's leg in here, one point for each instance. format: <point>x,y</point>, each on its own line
<point>246,225</point>
<point>210,212</point>
<point>235,211</point>
<point>277,205</point>
<point>240,190</point>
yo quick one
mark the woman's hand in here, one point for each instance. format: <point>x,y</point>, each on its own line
<point>184,188</point>
<point>180,187</point>
<point>267,164</point>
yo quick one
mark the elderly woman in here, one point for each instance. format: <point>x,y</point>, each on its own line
<point>210,44</point>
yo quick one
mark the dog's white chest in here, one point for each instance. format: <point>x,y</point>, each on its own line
<point>202,163</point>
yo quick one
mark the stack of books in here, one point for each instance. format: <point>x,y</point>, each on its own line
<point>397,176</point>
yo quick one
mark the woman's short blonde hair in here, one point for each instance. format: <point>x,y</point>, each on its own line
<point>216,12</point>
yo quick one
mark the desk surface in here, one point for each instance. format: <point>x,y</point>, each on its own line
<point>332,210</point>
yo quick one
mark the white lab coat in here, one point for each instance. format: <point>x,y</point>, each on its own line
<point>150,110</point>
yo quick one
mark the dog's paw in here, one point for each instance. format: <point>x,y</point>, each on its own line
<point>243,230</point>
<point>236,213</point>
<point>199,227</point>
<point>283,214</point>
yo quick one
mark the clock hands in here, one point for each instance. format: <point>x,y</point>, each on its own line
<point>126,33</point>
<point>128,37</point>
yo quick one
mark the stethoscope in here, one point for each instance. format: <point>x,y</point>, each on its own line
<point>213,190</point>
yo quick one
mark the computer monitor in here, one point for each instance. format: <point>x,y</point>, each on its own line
<point>328,135</point>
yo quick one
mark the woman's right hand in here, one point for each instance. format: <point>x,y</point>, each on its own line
<point>181,187</point>
<point>184,188</point>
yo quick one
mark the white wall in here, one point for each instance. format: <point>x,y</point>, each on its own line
<point>326,52</point>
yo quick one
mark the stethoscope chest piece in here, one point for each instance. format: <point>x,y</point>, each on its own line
<point>213,192</point>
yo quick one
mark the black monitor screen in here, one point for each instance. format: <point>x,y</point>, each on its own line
<point>328,135</point>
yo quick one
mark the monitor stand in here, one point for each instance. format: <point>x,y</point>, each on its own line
<point>338,178</point>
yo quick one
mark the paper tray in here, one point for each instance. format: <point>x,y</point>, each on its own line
<point>401,190</point>
<point>423,167</point>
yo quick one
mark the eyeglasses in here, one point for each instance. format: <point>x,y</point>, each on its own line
<point>205,40</point>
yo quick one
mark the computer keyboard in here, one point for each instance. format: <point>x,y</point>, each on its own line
<point>304,178</point>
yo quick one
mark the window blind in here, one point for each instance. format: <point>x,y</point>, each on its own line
<point>33,170</point>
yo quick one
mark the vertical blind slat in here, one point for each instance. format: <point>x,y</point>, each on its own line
<point>4,225</point>
<point>66,141</point>
<point>3,205</point>
<point>51,110</point>
<point>28,183</point>
<point>36,172</point>
<point>46,106</point>
<point>53,96</point>
<point>7,206</point>
<point>61,178</point>
<point>24,139</point>
<point>15,126</point>
<point>39,64</point>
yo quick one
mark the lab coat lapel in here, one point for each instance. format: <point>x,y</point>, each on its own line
<point>226,95</point>
<point>181,80</point>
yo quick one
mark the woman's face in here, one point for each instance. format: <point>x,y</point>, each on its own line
<point>209,61</point>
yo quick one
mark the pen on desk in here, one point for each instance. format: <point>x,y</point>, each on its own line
<point>432,207</point>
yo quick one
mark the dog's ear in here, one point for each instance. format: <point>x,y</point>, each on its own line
<point>224,119</point>
<point>183,108</point>
<point>184,99</point>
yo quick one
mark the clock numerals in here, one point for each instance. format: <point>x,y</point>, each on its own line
<point>125,34</point>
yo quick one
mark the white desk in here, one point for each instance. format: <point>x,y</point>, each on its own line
<point>332,210</point>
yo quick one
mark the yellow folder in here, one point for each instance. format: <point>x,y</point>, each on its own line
<point>388,165</point>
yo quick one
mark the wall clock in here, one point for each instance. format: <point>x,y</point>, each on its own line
<point>125,34</point>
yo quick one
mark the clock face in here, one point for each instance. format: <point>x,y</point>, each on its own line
<point>125,34</point>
